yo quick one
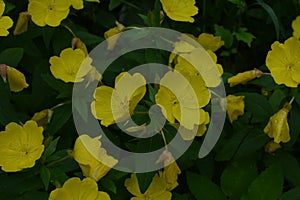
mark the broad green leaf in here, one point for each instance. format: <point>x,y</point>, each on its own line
<point>114,3</point>
<point>203,188</point>
<point>225,35</point>
<point>267,186</point>
<point>145,180</point>
<point>12,56</point>
<point>108,185</point>
<point>293,121</point>
<point>291,168</point>
<point>276,99</point>
<point>45,176</point>
<point>292,194</point>
<point>244,36</point>
<point>237,177</point>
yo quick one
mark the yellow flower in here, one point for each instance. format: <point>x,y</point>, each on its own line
<point>235,107</point>
<point>22,23</point>
<point>88,153</point>
<point>5,21</point>
<point>111,32</point>
<point>244,77</point>
<point>210,42</point>
<point>206,66</point>
<point>271,147</point>
<point>71,66</point>
<point>182,99</point>
<point>156,191</point>
<point>180,10</point>
<point>20,146</point>
<point>296,27</point>
<point>77,4</point>
<point>278,127</point>
<point>16,79</point>
<point>74,188</point>
<point>284,62</point>
<point>48,12</point>
<point>117,104</point>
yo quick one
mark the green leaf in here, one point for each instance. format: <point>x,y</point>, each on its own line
<point>12,56</point>
<point>276,99</point>
<point>267,186</point>
<point>203,188</point>
<point>59,118</point>
<point>273,16</point>
<point>244,36</point>
<point>252,143</point>
<point>51,148</point>
<point>45,176</point>
<point>291,168</point>
<point>225,35</point>
<point>89,38</point>
<point>114,3</point>
<point>108,185</point>
<point>293,194</point>
<point>237,177</point>
<point>145,180</point>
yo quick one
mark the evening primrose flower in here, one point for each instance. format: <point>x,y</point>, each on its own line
<point>210,42</point>
<point>284,62</point>
<point>20,146</point>
<point>244,77</point>
<point>235,107</point>
<point>71,66</point>
<point>111,32</point>
<point>112,105</point>
<point>278,127</point>
<point>180,10</point>
<point>92,158</point>
<point>48,12</point>
<point>5,21</point>
<point>157,189</point>
<point>74,188</point>
<point>16,79</point>
<point>182,99</point>
<point>296,27</point>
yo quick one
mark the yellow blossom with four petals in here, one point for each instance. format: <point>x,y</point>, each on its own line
<point>20,146</point>
<point>112,105</point>
<point>74,188</point>
<point>71,66</point>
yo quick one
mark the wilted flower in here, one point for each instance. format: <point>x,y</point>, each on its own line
<point>22,23</point>
<point>278,127</point>
<point>156,190</point>
<point>210,42</point>
<point>235,107</point>
<point>5,21</point>
<point>16,79</point>
<point>48,12</point>
<point>180,10</point>
<point>71,66</point>
<point>92,158</point>
<point>284,62</point>
<point>43,117</point>
<point>111,32</point>
<point>77,43</point>
<point>20,146</point>
<point>296,27</point>
<point>74,188</point>
<point>244,77</point>
<point>271,147</point>
<point>117,104</point>
<point>182,99</point>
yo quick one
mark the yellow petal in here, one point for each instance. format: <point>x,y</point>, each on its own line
<point>180,10</point>
<point>132,185</point>
<point>296,27</point>
<point>5,23</point>
<point>16,79</point>
<point>2,7</point>
<point>77,4</point>
<point>210,42</point>
<point>102,196</point>
<point>38,11</point>
<point>244,77</point>
<point>235,107</point>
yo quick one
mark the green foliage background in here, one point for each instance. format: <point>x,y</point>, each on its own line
<point>238,167</point>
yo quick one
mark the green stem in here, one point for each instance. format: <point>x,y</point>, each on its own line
<point>58,161</point>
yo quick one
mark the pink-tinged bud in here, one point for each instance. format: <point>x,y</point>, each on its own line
<point>3,71</point>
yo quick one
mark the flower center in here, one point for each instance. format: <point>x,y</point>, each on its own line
<point>290,66</point>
